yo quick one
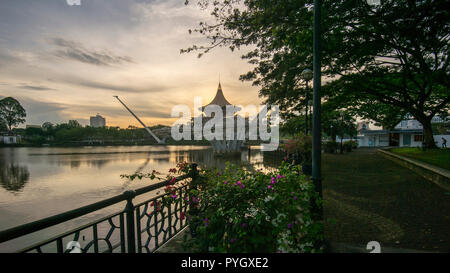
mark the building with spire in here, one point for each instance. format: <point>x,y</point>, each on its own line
<point>219,99</point>
<point>223,146</point>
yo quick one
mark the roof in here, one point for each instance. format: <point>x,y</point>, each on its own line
<point>219,99</point>
<point>385,132</point>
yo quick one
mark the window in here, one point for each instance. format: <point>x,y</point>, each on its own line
<point>418,137</point>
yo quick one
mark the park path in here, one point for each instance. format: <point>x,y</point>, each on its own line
<point>370,198</point>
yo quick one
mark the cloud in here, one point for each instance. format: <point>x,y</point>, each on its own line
<point>128,48</point>
<point>35,87</point>
<point>40,111</point>
<point>76,51</point>
<point>138,87</point>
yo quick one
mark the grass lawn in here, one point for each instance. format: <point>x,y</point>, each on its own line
<point>370,198</point>
<point>437,157</point>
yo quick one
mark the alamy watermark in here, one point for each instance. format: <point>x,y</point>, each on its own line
<point>228,123</point>
<point>73,2</point>
<point>74,247</point>
<point>374,247</point>
<point>374,2</point>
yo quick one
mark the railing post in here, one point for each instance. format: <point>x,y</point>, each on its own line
<point>129,211</point>
<point>192,210</point>
<point>194,172</point>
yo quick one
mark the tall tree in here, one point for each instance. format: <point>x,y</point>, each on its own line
<point>11,112</point>
<point>393,55</point>
<point>3,126</point>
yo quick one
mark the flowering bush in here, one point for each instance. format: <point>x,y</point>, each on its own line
<point>300,144</point>
<point>240,211</point>
<point>170,189</point>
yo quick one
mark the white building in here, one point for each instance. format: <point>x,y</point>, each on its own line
<point>408,133</point>
<point>97,121</point>
<point>9,139</point>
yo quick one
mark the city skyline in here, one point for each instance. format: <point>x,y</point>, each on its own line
<point>67,62</point>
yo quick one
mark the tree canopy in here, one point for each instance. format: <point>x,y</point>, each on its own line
<point>379,61</point>
<point>11,112</point>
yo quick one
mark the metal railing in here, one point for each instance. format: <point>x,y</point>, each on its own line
<point>138,228</point>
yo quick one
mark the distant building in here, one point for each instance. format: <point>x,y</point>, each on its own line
<point>407,133</point>
<point>33,126</point>
<point>9,139</point>
<point>98,121</point>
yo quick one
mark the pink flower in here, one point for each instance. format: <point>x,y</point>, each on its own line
<point>242,186</point>
<point>174,196</point>
<point>173,180</point>
<point>269,187</point>
<point>239,182</point>
<point>226,182</point>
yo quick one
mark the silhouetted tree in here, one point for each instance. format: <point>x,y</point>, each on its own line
<point>394,54</point>
<point>11,112</point>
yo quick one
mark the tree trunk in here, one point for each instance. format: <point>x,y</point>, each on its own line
<point>428,135</point>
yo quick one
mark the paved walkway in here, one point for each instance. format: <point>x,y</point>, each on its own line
<point>370,198</point>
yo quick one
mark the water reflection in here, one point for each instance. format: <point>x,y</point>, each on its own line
<point>39,182</point>
<point>13,177</point>
<point>87,166</point>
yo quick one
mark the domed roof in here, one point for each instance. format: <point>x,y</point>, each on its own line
<point>219,99</point>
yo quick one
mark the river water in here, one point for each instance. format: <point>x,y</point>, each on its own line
<point>41,182</point>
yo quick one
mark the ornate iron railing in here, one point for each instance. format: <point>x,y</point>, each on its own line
<point>138,228</point>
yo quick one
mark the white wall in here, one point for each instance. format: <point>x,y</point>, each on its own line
<point>9,139</point>
<point>363,141</point>
<point>438,140</point>
<point>415,143</point>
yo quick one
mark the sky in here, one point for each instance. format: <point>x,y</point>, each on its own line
<point>65,62</point>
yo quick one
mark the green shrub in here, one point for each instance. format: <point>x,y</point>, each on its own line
<point>330,147</point>
<point>240,211</point>
<point>301,146</point>
<point>348,145</point>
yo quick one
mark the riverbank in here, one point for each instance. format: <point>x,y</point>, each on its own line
<point>105,144</point>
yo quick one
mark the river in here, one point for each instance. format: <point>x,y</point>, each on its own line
<point>41,182</point>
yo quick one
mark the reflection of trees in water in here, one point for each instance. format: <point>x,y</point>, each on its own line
<point>13,177</point>
<point>76,163</point>
<point>251,162</point>
<point>206,158</point>
<point>98,163</point>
